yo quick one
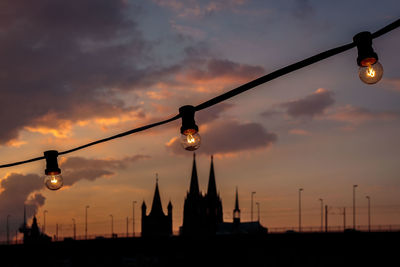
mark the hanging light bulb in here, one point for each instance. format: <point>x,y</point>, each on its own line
<point>53,179</point>
<point>371,70</point>
<point>190,137</point>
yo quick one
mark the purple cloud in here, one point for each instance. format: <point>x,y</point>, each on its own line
<point>224,137</point>
<point>311,105</point>
<point>62,60</point>
<point>77,168</point>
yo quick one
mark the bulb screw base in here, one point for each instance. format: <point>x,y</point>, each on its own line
<point>366,54</point>
<point>188,122</point>
<point>51,162</point>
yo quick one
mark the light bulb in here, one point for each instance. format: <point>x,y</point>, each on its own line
<point>190,140</point>
<point>371,73</point>
<point>53,181</point>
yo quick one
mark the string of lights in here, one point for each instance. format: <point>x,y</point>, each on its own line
<point>370,72</point>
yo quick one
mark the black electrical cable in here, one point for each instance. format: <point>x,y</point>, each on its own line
<point>231,93</point>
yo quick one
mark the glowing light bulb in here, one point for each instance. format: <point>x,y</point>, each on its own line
<point>190,140</point>
<point>371,73</point>
<point>53,181</point>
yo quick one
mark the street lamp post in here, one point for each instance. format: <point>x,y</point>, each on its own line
<point>369,213</point>
<point>258,211</point>
<point>8,230</point>
<point>44,221</point>
<point>112,225</point>
<point>74,227</point>
<point>86,226</point>
<point>354,206</point>
<point>300,190</point>
<point>322,214</point>
<point>252,194</point>
<point>133,218</point>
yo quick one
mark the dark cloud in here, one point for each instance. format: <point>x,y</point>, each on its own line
<point>359,115</point>
<point>224,137</point>
<point>270,113</point>
<point>311,105</point>
<point>303,9</point>
<point>78,168</point>
<point>62,60</point>
<point>68,61</point>
<point>204,69</point>
<point>210,114</point>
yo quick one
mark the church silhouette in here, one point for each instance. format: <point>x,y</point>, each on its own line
<point>202,213</point>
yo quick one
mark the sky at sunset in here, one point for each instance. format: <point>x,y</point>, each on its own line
<point>72,72</point>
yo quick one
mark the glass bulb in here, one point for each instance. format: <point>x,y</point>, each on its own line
<point>372,73</point>
<point>191,141</point>
<point>53,181</point>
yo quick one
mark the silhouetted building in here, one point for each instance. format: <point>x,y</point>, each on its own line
<point>237,227</point>
<point>156,223</point>
<point>201,214</point>
<point>32,234</point>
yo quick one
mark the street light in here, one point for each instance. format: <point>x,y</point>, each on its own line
<point>354,206</point>
<point>133,218</point>
<point>252,194</point>
<point>258,211</point>
<point>86,213</point>
<point>300,190</point>
<point>322,214</point>
<point>112,225</point>
<point>369,213</point>
<point>8,230</point>
<point>74,227</point>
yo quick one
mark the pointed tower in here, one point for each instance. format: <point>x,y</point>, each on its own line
<point>236,211</point>
<point>212,186</point>
<point>213,203</point>
<point>194,180</point>
<point>170,213</point>
<point>193,209</point>
<point>156,223</point>
<point>156,208</point>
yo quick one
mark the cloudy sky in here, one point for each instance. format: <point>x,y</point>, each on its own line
<point>75,71</point>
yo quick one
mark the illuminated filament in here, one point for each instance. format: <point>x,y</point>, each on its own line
<point>370,72</point>
<point>190,139</point>
<point>53,180</point>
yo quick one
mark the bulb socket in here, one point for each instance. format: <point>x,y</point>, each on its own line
<point>51,162</point>
<point>366,54</point>
<point>188,123</point>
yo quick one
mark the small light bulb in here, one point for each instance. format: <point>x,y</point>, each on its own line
<point>371,73</point>
<point>53,181</point>
<point>190,140</point>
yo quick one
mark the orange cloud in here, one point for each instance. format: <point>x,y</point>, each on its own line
<point>15,143</point>
<point>359,115</point>
<point>299,132</point>
<point>216,74</point>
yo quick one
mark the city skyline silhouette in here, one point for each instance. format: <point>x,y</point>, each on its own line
<point>291,108</point>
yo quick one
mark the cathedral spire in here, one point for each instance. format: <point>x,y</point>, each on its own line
<point>212,187</point>
<point>236,211</point>
<point>194,181</point>
<point>237,200</point>
<point>156,208</point>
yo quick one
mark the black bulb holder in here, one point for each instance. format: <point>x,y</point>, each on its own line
<point>51,162</point>
<point>188,124</point>
<point>366,54</point>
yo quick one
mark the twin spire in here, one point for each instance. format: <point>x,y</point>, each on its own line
<point>194,181</point>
